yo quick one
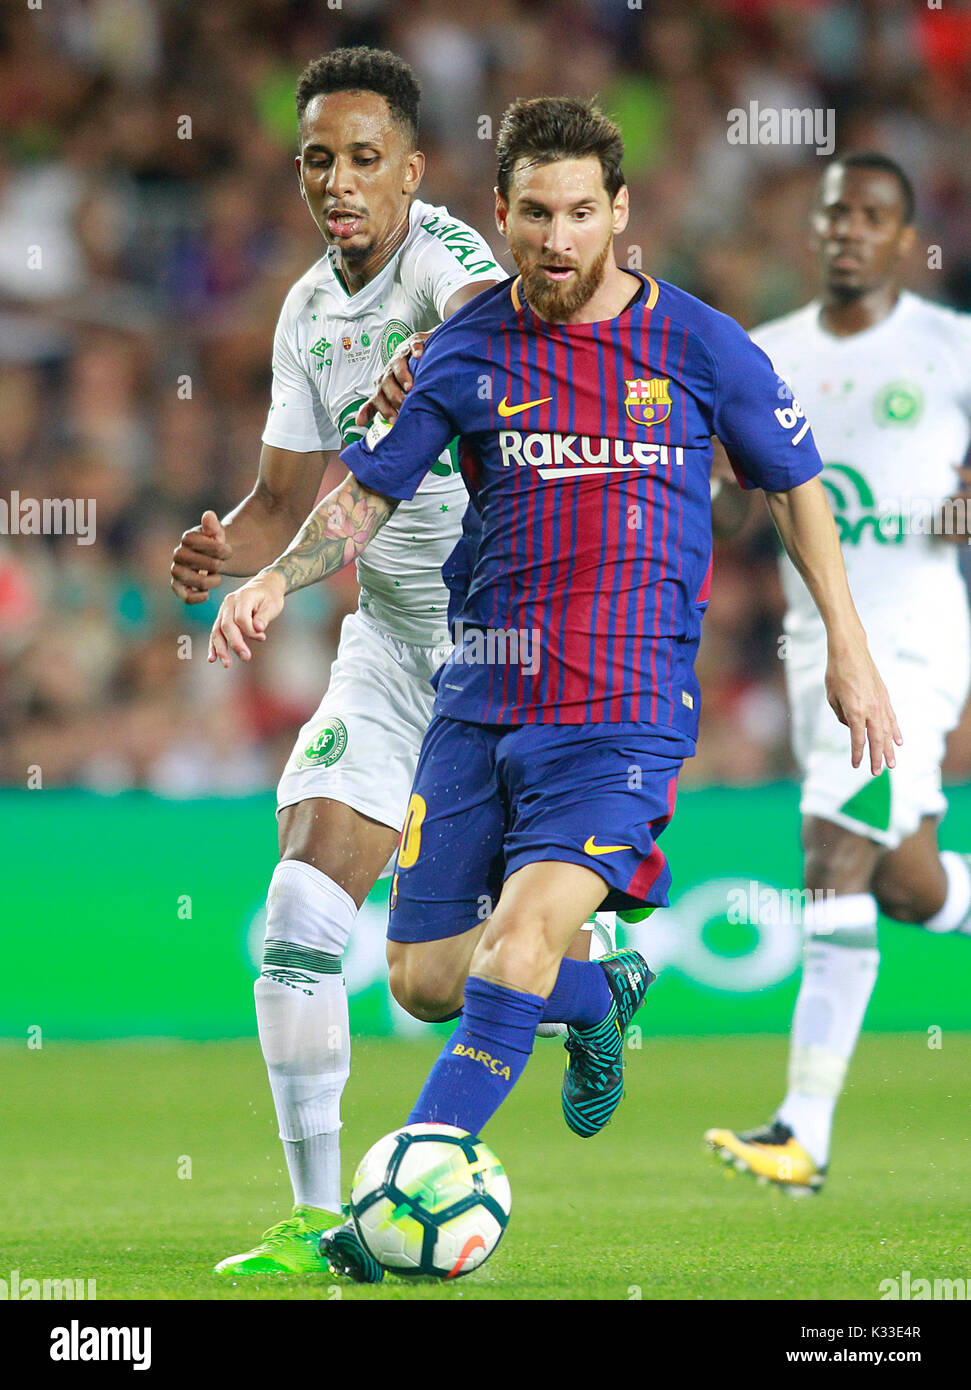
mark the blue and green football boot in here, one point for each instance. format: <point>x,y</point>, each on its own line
<point>593,1082</point>
<point>344,1251</point>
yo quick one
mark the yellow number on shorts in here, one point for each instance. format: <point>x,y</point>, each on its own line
<point>411,832</point>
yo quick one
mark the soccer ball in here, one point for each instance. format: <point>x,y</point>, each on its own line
<point>430,1200</point>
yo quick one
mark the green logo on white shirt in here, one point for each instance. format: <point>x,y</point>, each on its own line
<point>395,333</point>
<point>900,403</point>
<point>328,745</point>
<point>855,509</point>
<point>349,431</point>
<point>463,243</point>
<point>320,349</point>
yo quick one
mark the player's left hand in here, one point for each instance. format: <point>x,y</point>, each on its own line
<point>246,613</point>
<point>397,381</point>
<point>859,699</point>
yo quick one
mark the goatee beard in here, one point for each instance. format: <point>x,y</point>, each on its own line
<point>352,256</point>
<point>846,294</point>
<point>557,302</point>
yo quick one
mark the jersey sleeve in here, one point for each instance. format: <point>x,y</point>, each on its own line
<point>297,418</point>
<point>453,255</point>
<point>755,415</point>
<point>394,461</point>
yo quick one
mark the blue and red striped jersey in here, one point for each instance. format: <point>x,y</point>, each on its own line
<point>586,449</point>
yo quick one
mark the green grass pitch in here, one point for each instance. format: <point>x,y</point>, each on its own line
<point>140,1165</point>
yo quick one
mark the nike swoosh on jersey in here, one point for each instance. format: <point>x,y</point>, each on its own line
<point>591,848</point>
<point>505,410</point>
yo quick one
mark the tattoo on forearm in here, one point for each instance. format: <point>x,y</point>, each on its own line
<point>334,534</point>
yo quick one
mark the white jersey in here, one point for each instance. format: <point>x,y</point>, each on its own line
<point>329,351</point>
<point>890,410</point>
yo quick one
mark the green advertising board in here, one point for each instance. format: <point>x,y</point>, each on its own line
<point>134,916</point>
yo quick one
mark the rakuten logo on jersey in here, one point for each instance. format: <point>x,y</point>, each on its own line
<point>573,455</point>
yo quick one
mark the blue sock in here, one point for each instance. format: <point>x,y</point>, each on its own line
<point>482,1060</point>
<point>580,996</point>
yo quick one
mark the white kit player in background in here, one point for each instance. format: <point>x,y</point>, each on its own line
<point>884,378</point>
<point>393,266</point>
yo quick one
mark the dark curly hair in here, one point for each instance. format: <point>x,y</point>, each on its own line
<point>882,164</point>
<point>544,129</point>
<point>364,70</point>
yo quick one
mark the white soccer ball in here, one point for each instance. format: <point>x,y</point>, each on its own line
<point>430,1200</point>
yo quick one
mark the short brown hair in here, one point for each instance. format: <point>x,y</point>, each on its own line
<point>544,129</point>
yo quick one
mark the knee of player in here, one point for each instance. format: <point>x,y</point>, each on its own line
<point>514,952</point>
<point>898,901</point>
<point>844,866</point>
<point>427,994</point>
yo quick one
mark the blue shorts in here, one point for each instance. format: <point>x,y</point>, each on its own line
<point>489,798</point>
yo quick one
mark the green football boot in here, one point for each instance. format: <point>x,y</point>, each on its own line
<point>593,1082</point>
<point>346,1255</point>
<point>289,1247</point>
<point>632,915</point>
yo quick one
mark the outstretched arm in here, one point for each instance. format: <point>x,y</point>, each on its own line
<point>254,531</point>
<point>334,534</point>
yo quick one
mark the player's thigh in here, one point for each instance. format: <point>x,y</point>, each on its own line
<point>596,796</point>
<point>837,859</point>
<point>540,911</point>
<point>449,866</point>
<point>884,810</point>
<point>350,848</point>
<point>915,855</point>
<point>428,977</point>
<point>343,794</point>
<point>910,883</point>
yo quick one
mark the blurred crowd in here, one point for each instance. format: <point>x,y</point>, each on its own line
<point>150,227</point>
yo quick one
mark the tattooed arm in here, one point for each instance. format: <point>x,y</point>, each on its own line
<point>332,536</point>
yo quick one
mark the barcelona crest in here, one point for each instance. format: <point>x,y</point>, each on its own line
<point>649,402</point>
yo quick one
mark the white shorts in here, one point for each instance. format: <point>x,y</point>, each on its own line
<point>928,699</point>
<point>361,746</point>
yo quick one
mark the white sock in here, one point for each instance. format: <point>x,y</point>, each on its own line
<point>838,974</point>
<point>314,1166</point>
<point>603,933</point>
<point>301,1010</point>
<point>955,915</point>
